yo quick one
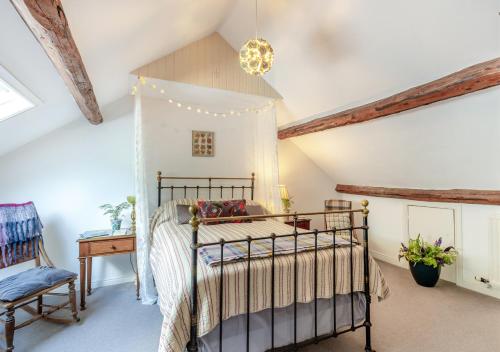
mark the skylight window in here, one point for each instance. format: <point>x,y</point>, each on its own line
<point>12,102</point>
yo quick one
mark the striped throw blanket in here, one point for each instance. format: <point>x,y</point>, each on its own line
<point>171,266</point>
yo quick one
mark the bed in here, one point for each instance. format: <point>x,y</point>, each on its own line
<point>270,300</point>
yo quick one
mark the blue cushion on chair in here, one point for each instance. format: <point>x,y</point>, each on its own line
<point>31,281</point>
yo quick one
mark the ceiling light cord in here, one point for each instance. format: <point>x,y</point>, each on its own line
<point>256,21</point>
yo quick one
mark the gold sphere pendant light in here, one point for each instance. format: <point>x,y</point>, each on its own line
<point>256,55</point>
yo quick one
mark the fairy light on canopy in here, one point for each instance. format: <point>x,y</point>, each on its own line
<point>198,108</point>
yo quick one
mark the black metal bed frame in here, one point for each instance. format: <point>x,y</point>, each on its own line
<point>196,245</point>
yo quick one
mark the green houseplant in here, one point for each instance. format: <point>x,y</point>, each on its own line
<point>426,259</point>
<point>114,213</point>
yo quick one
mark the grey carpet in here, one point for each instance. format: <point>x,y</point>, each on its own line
<point>445,318</point>
<point>114,321</point>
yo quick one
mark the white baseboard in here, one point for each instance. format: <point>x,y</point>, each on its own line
<point>100,283</point>
<point>480,288</point>
<point>391,259</point>
<point>109,282</point>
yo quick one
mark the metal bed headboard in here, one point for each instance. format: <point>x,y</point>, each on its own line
<point>209,187</point>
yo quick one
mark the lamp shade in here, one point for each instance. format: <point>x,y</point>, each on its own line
<point>256,56</point>
<point>284,192</point>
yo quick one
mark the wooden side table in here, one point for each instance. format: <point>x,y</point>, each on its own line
<point>302,223</point>
<point>97,247</point>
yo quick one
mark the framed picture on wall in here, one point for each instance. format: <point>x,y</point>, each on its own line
<point>203,143</point>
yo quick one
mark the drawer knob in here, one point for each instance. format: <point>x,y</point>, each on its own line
<point>113,247</point>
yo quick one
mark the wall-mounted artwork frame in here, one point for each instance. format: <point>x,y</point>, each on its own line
<point>203,143</point>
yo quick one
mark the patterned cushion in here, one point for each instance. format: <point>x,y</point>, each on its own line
<point>224,208</point>
<point>183,214</point>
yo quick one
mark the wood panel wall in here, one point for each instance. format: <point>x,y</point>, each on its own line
<point>209,62</point>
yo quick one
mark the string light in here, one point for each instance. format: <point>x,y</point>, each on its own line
<point>182,105</point>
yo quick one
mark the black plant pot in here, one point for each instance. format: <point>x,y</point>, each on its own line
<point>425,275</point>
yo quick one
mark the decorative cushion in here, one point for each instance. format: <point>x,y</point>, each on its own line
<point>223,208</point>
<point>183,214</point>
<point>255,209</point>
<point>31,281</point>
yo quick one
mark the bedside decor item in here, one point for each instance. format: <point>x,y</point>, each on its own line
<point>256,55</point>
<point>132,201</point>
<point>203,143</point>
<point>286,200</point>
<point>426,259</point>
<point>114,213</point>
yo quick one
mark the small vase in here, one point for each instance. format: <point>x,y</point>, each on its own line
<point>116,225</point>
<point>425,275</point>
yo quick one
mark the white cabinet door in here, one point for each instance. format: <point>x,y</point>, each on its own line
<point>432,223</point>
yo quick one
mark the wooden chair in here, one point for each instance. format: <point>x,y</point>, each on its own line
<point>9,307</point>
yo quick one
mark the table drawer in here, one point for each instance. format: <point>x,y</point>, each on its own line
<point>111,246</point>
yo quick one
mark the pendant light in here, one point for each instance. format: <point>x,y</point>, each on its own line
<point>256,55</point>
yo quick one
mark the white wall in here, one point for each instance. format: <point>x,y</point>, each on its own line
<point>451,144</point>
<point>167,134</point>
<point>306,182</point>
<point>68,174</point>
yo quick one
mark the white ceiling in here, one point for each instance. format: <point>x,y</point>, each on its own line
<point>117,36</point>
<point>113,36</point>
<point>333,54</point>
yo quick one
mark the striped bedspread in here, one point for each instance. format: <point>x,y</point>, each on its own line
<point>171,265</point>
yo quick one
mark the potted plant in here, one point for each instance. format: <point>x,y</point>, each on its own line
<point>114,213</point>
<point>426,259</point>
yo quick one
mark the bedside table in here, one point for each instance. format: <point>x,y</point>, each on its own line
<point>302,223</point>
<point>101,246</point>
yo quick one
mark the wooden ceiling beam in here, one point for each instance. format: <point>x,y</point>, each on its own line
<point>468,80</point>
<point>468,196</point>
<point>47,21</point>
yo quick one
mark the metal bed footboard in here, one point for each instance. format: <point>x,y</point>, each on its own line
<point>196,245</point>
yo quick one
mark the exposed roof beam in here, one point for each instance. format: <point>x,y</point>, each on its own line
<point>469,196</point>
<point>48,23</point>
<point>468,80</point>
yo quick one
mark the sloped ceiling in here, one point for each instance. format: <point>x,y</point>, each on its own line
<point>23,58</point>
<point>117,36</point>
<point>331,55</point>
<point>113,36</point>
<point>335,54</point>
